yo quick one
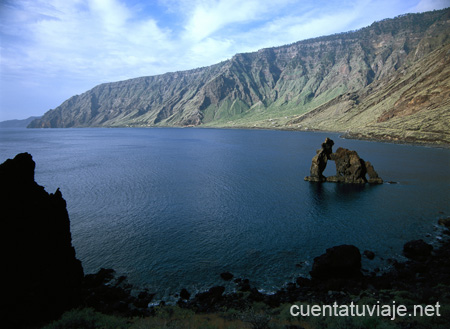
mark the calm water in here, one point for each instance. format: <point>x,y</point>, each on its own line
<point>173,208</point>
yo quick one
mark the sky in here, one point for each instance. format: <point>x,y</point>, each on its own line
<point>51,50</point>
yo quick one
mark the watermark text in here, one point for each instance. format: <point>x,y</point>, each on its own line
<point>391,311</point>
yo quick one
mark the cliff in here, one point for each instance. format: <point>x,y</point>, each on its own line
<point>383,81</point>
<point>42,275</point>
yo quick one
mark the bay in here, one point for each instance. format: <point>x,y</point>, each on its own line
<point>172,208</point>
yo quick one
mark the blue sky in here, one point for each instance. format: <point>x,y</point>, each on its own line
<point>53,49</point>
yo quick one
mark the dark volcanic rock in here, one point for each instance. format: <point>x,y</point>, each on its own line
<point>106,293</point>
<point>213,293</point>
<point>319,162</point>
<point>338,262</point>
<point>42,276</point>
<point>373,175</point>
<point>350,168</point>
<point>444,222</point>
<point>303,282</point>
<point>417,250</point>
<point>227,276</point>
<point>206,301</point>
<point>184,294</point>
<point>369,254</point>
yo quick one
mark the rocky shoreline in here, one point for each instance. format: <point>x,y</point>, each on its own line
<point>336,276</point>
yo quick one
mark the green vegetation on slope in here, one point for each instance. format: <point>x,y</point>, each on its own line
<point>352,80</point>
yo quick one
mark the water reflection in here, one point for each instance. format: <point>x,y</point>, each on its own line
<point>323,193</point>
<point>318,193</point>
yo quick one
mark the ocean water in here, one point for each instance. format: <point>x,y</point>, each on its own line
<point>173,208</point>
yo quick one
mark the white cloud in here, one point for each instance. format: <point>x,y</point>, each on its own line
<point>210,16</point>
<point>86,38</point>
<point>112,13</point>
<point>66,47</point>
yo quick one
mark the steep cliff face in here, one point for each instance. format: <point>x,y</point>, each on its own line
<point>412,104</point>
<point>268,88</point>
<point>42,275</point>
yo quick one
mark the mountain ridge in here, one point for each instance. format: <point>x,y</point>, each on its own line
<point>18,123</point>
<point>272,87</point>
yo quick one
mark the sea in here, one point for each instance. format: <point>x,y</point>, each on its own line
<point>173,208</point>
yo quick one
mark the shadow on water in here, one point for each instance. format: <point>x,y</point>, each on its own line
<point>322,193</point>
<point>318,192</point>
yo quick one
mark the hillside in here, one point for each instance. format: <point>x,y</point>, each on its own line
<point>411,105</point>
<point>17,123</point>
<point>389,80</point>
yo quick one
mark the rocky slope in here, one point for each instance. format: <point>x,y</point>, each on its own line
<point>380,81</point>
<point>410,105</point>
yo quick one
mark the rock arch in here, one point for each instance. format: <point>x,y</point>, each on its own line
<point>350,168</point>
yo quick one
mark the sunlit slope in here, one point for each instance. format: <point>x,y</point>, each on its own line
<point>365,81</point>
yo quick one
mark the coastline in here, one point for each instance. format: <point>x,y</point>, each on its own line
<point>346,135</point>
<point>422,279</point>
<point>343,134</point>
<point>438,238</point>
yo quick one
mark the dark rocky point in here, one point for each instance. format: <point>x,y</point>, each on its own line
<point>42,276</point>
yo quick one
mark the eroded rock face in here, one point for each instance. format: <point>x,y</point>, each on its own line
<point>42,274</point>
<point>373,175</point>
<point>350,168</point>
<point>319,162</point>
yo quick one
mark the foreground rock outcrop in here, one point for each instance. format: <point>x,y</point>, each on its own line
<point>42,275</point>
<point>417,250</point>
<point>338,262</point>
<point>350,168</point>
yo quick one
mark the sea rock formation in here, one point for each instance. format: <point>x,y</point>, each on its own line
<point>350,168</point>
<point>373,175</point>
<point>42,276</point>
<point>319,162</point>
